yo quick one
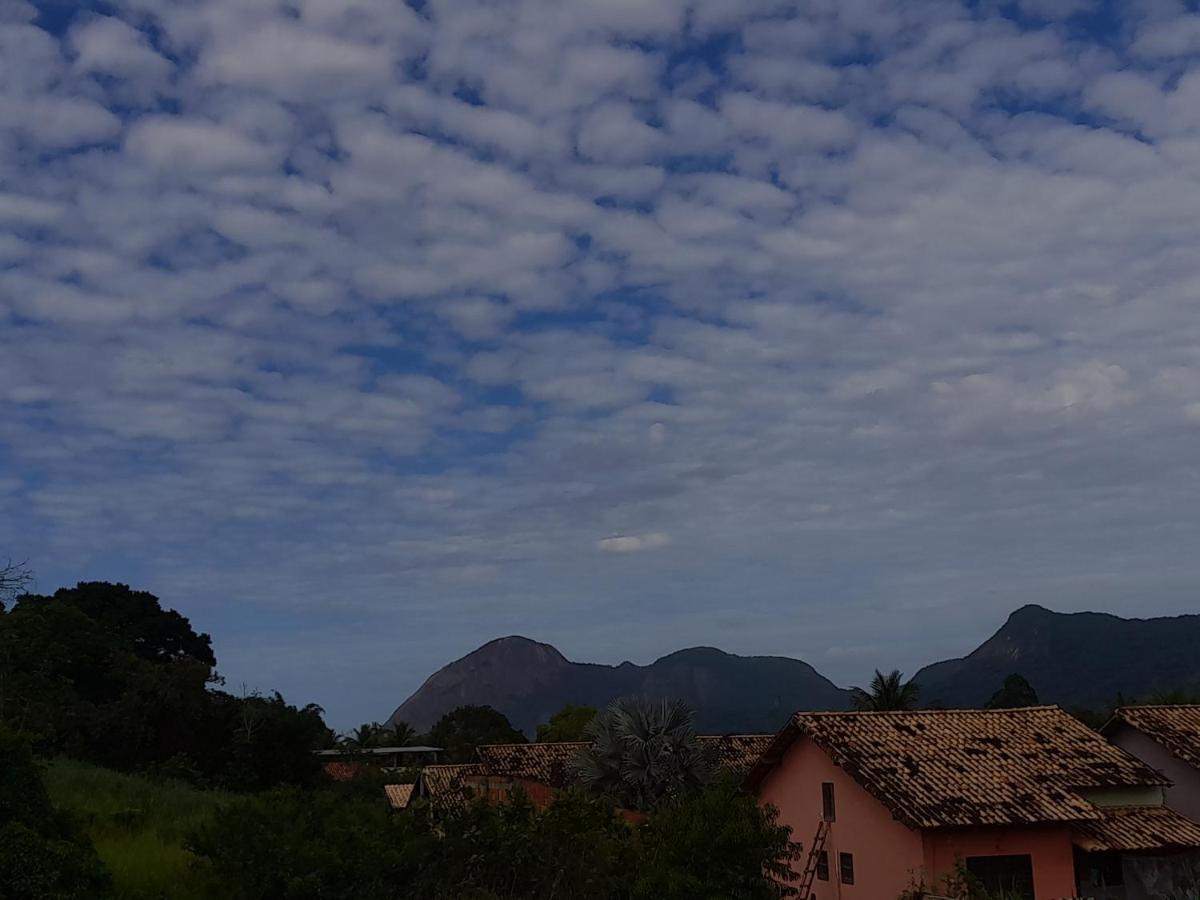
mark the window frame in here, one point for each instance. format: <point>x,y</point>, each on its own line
<point>846,867</point>
<point>828,802</point>
<point>823,865</point>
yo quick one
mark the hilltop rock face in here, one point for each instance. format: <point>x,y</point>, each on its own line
<point>529,681</point>
<point>1073,659</point>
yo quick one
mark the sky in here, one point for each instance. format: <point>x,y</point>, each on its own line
<point>364,332</point>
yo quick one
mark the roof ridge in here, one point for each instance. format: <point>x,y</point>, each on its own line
<point>924,712</point>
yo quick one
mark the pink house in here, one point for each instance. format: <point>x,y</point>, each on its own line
<point>1029,800</point>
<point>1166,738</point>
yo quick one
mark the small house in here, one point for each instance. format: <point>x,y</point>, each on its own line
<point>1029,801</point>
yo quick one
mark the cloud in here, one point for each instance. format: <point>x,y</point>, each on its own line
<point>633,543</point>
<point>349,311</point>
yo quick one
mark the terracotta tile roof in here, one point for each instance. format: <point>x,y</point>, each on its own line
<point>552,763</point>
<point>1175,727</point>
<point>1132,828</point>
<point>737,753</point>
<point>448,785</point>
<point>398,795</point>
<point>341,771</point>
<point>547,763</point>
<point>945,768</point>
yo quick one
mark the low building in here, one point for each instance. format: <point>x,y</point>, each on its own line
<point>542,770</point>
<point>345,764</point>
<point>1166,738</point>
<point>1028,800</point>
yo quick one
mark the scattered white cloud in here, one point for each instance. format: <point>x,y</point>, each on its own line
<point>350,306</point>
<point>633,543</point>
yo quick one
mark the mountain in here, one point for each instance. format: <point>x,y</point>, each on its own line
<point>1073,659</point>
<point>529,681</point>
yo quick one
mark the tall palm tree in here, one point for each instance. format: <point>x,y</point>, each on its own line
<point>643,752</point>
<point>401,734</point>
<point>888,692</point>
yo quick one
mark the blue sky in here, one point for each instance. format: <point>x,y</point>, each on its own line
<point>363,333</point>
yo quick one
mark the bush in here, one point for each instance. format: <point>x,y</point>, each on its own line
<point>42,857</point>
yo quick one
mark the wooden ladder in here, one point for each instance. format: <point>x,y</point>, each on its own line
<point>814,855</point>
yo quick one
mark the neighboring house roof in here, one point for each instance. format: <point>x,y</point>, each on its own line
<point>448,785</point>
<point>548,763</point>
<point>398,795</point>
<point>553,763</point>
<point>341,771</point>
<point>737,753</point>
<point>377,751</point>
<point>948,768</point>
<point>1134,828</point>
<point>1177,728</point>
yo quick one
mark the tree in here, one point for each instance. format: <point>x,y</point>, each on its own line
<point>643,752</point>
<point>888,692</point>
<point>41,855</point>
<point>154,633</point>
<point>400,734</point>
<point>14,578</point>
<point>461,730</point>
<point>1015,693</point>
<point>716,842</point>
<point>568,724</point>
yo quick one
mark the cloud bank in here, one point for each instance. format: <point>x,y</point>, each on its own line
<point>356,329</point>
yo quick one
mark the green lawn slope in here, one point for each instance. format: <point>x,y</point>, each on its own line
<point>137,825</point>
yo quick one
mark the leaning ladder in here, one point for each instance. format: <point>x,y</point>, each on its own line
<point>814,855</point>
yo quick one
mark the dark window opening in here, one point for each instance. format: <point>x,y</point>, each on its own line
<point>828,811</point>
<point>1101,869</point>
<point>1004,875</point>
<point>823,865</point>
<point>846,867</point>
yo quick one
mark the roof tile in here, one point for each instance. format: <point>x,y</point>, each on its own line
<point>946,768</point>
<point>1132,828</point>
<point>1175,727</point>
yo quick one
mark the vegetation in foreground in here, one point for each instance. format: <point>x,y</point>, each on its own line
<point>305,845</point>
<point>137,825</point>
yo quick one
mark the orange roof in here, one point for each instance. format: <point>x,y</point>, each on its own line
<point>737,753</point>
<point>398,795</point>
<point>550,763</point>
<point>342,771</point>
<point>447,785</point>
<point>945,768</point>
<point>1175,727</point>
<point>1132,828</point>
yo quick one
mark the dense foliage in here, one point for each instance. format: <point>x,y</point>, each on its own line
<point>41,855</point>
<point>103,673</point>
<point>643,753</point>
<point>1016,692</point>
<point>137,825</point>
<point>887,692</point>
<point>332,845</point>
<point>460,731</point>
<point>568,724</point>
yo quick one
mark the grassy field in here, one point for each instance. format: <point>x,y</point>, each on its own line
<point>137,826</point>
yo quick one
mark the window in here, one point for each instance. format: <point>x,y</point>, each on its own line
<point>1011,876</point>
<point>823,865</point>
<point>828,810</point>
<point>846,867</point>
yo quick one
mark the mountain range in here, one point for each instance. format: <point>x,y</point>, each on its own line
<point>1082,660</point>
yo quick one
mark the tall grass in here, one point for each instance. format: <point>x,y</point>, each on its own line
<point>138,826</point>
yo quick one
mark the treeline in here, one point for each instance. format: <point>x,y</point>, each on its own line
<point>105,674</point>
<point>332,845</point>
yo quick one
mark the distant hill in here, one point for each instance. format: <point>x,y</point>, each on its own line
<point>529,681</point>
<point>1077,660</point>
<point>1073,659</point>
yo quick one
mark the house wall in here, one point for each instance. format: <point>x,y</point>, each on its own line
<point>1050,847</point>
<point>887,854</point>
<point>1184,794</point>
